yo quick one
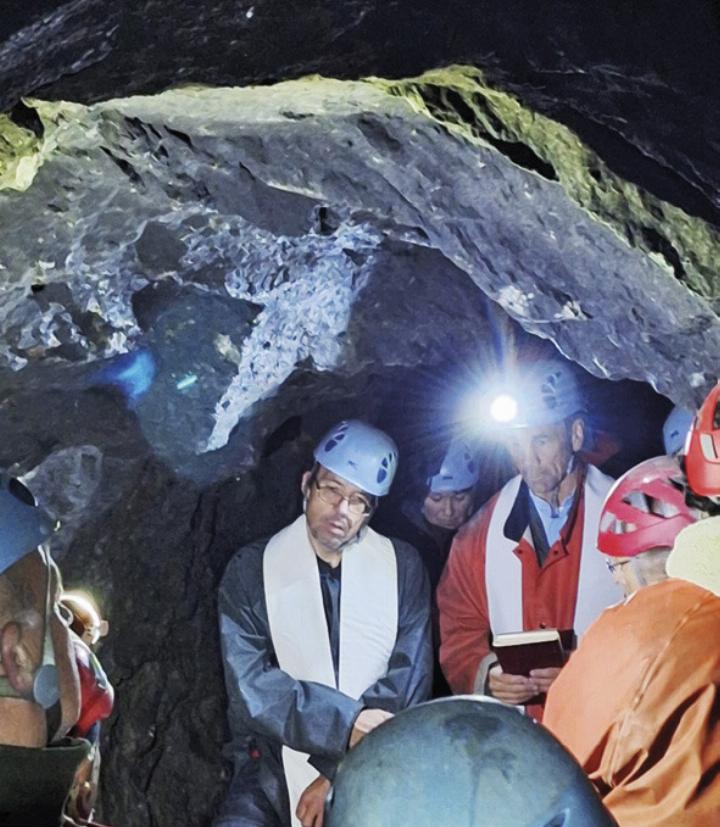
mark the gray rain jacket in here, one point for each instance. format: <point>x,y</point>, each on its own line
<point>269,707</point>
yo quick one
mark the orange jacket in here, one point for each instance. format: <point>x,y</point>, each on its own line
<point>548,593</point>
<point>638,705</point>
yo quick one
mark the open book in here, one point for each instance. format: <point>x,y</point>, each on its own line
<point>519,652</point>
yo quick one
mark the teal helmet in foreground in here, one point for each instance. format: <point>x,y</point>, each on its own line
<point>462,762</point>
<point>23,526</point>
<point>362,455</point>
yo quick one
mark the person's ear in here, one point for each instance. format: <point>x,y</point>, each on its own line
<point>577,434</point>
<point>305,483</point>
<point>20,678</point>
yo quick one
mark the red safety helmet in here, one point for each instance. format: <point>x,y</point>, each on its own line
<point>702,449</point>
<point>626,528</point>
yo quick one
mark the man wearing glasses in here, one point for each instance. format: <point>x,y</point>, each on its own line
<point>325,631</point>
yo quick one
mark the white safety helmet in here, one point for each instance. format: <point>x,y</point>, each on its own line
<point>458,471</point>
<point>362,455</point>
<point>695,555</point>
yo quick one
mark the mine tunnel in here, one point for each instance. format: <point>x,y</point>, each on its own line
<point>221,236</point>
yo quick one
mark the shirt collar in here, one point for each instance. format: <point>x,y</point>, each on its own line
<point>519,516</point>
<point>547,512</point>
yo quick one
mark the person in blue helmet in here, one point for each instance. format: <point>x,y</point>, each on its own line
<point>448,500</point>
<point>527,559</point>
<point>430,517</point>
<point>325,632</point>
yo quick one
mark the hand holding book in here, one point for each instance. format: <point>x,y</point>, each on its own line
<point>510,689</point>
<point>543,678</point>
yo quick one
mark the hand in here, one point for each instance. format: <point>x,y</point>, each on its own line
<point>366,722</point>
<point>311,806</point>
<point>511,689</point>
<point>544,677</point>
<point>84,790</point>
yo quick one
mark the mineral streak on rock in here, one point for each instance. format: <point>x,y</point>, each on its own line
<point>460,98</point>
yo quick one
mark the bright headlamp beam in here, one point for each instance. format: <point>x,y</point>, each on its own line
<point>503,408</point>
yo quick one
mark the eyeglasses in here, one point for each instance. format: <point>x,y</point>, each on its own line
<point>357,503</point>
<point>613,566</point>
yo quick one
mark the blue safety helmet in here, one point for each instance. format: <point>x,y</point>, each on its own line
<point>676,428</point>
<point>462,761</point>
<point>360,454</point>
<point>23,526</point>
<point>459,470</point>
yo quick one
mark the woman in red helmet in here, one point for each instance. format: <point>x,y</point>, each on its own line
<point>637,703</point>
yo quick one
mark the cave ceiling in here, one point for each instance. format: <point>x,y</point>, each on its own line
<point>570,173</point>
<point>637,82</point>
<point>197,200</point>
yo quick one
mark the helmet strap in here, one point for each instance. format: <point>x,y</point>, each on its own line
<point>46,688</point>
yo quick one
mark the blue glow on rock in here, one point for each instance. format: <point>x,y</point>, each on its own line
<point>133,374</point>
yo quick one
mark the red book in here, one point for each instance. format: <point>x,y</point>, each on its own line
<point>519,652</point>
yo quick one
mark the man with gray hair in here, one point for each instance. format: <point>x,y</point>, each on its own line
<point>527,560</point>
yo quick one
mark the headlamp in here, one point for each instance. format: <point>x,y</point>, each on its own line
<point>504,408</point>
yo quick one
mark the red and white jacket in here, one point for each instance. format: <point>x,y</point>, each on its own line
<point>493,583</point>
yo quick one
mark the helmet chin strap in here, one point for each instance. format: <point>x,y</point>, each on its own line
<point>46,687</point>
<point>570,466</point>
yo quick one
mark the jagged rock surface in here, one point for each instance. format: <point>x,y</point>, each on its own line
<point>159,194</point>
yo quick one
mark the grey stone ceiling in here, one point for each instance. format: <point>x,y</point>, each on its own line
<point>637,89</point>
<point>261,211</point>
